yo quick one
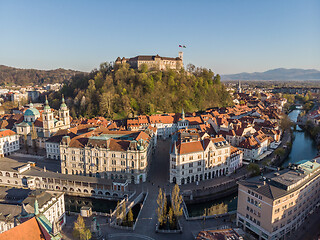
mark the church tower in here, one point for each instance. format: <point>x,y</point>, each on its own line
<point>48,120</point>
<point>239,86</point>
<point>64,114</point>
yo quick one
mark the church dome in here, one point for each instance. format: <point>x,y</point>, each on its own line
<point>31,112</point>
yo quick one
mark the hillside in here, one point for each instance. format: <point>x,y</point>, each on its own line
<point>17,76</point>
<point>124,92</point>
<point>281,74</point>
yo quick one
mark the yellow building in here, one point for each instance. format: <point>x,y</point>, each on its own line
<point>274,206</point>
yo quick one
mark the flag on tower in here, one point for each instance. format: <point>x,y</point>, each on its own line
<point>182,46</point>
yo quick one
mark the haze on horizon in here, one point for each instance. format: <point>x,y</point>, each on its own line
<point>226,36</point>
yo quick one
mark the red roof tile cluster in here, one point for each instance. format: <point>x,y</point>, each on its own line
<point>6,133</point>
<point>29,230</point>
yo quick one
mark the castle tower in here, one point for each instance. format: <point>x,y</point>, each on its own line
<point>48,120</point>
<point>64,114</point>
<point>181,55</point>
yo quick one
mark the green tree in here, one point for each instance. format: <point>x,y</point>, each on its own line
<point>130,218</point>
<point>123,213</point>
<point>161,209</point>
<point>176,200</point>
<point>280,152</point>
<point>253,169</point>
<point>217,79</point>
<point>143,68</point>
<point>285,122</point>
<point>118,91</point>
<point>80,231</point>
<point>118,213</point>
<point>171,218</point>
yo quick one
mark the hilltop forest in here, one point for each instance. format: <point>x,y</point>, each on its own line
<point>119,91</point>
<point>16,76</point>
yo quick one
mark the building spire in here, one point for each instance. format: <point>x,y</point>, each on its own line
<point>46,103</point>
<point>36,207</point>
<point>63,105</point>
<point>239,86</point>
<point>182,114</point>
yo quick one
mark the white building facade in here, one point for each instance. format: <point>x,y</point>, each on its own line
<point>9,142</point>
<point>195,158</point>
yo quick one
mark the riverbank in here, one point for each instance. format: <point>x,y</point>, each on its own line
<point>298,146</point>
<point>303,145</point>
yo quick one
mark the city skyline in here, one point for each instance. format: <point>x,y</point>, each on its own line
<point>225,37</point>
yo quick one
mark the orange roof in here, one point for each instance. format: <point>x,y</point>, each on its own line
<point>218,139</point>
<point>29,230</point>
<point>234,149</point>
<point>161,119</point>
<point>6,133</point>
<point>189,147</point>
<point>194,120</point>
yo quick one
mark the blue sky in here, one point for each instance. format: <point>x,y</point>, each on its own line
<point>226,36</point>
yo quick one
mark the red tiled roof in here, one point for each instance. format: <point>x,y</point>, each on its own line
<point>38,122</point>
<point>29,230</point>
<point>161,119</point>
<point>6,133</point>
<point>189,147</point>
<point>249,143</point>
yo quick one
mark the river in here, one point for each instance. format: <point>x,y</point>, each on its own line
<point>303,148</point>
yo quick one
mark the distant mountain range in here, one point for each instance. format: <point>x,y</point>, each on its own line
<point>281,74</point>
<point>18,76</point>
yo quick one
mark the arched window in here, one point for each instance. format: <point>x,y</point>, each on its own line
<point>132,164</point>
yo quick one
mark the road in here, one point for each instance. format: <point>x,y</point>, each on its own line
<point>158,176</point>
<point>310,229</point>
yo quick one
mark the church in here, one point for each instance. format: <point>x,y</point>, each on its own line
<point>40,125</point>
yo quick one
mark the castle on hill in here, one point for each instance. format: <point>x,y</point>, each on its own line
<point>156,61</point>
